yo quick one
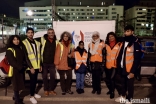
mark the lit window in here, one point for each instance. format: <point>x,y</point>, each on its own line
<point>93,13</point>
<point>87,17</point>
<point>80,3</point>
<point>64,9</point>
<point>77,17</point>
<point>143,9</point>
<point>58,13</point>
<point>102,3</point>
<point>87,6</point>
<point>101,10</point>
<point>40,19</point>
<point>48,10</point>
<point>113,3</point>
<point>93,9</point>
<point>35,19</point>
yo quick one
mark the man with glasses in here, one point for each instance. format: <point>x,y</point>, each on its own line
<point>49,43</point>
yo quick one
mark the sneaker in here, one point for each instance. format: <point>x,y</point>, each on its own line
<point>52,93</point>
<point>70,92</point>
<point>63,93</point>
<point>33,100</point>
<point>93,91</point>
<point>46,93</point>
<point>119,99</point>
<point>37,96</point>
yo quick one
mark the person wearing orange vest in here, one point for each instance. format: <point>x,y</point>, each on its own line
<point>96,58</point>
<point>81,66</point>
<point>127,62</point>
<point>112,49</point>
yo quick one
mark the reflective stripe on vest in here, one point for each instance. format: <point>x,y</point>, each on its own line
<point>11,68</point>
<point>111,56</point>
<point>34,61</point>
<point>129,58</point>
<point>61,46</point>
<point>98,55</point>
<point>79,60</point>
<point>43,42</point>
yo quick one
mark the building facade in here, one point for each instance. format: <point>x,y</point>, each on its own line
<point>79,10</point>
<point>142,18</point>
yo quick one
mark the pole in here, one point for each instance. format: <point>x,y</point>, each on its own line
<point>154,27</point>
<point>53,10</point>
<point>2,31</point>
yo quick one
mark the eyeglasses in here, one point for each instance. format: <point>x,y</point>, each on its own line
<point>95,36</point>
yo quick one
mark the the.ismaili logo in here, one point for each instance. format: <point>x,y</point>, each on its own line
<point>77,38</point>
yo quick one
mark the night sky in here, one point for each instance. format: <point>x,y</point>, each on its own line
<point>11,7</point>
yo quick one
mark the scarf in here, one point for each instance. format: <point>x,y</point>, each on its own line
<point>80,50</point>
<point>96,45</point>
<point>66,43</point>
<point>112,43</point>
<point>50,39</point>
<point>128,38</point>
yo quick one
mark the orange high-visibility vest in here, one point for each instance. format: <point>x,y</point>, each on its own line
<point>111,56</point>
<point>98,56</point>
<point>129,58</point>
<point>80,59</point>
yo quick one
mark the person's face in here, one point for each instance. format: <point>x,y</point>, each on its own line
<point>65,37</point>
<point>111,38</point>
<point>51,34</point>
<point>129,32</point>
<point>30,34</point>
<point>16,41</point>
<point>81,45</point>
<point>95,37</point>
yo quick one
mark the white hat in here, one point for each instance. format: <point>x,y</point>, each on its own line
<point>96,33</point>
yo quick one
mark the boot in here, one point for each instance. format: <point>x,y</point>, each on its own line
<point>78,91</point>
<point>111,95</point>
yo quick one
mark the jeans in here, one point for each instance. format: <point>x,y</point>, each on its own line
<point>33,81</point>
<point>80,80</point>
<point>49,86</point>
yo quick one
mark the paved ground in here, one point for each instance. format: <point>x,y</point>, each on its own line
<point>86,98</point>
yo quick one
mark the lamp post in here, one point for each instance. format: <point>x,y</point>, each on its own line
<point>2,27</point>
<point>30,13</point>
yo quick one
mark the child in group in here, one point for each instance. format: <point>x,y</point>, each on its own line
<point>80,69</point>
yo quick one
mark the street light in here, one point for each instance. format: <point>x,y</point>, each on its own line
<point>30,13</point>
<point>2,28</point>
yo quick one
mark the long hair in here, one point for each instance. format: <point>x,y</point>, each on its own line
<point>107,37</point>
<point>10,43</point>
<point>68,34</point>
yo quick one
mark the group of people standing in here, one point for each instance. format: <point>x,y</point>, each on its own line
<point>119,60</point>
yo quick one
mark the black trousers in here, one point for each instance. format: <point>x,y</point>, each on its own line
<point>110,82</point>
<point>65,83</point>
<point>96,79</point>
<point>17,96</point>
<point>33,81</point>
<point>123,85</point>
<point>49,86</point>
